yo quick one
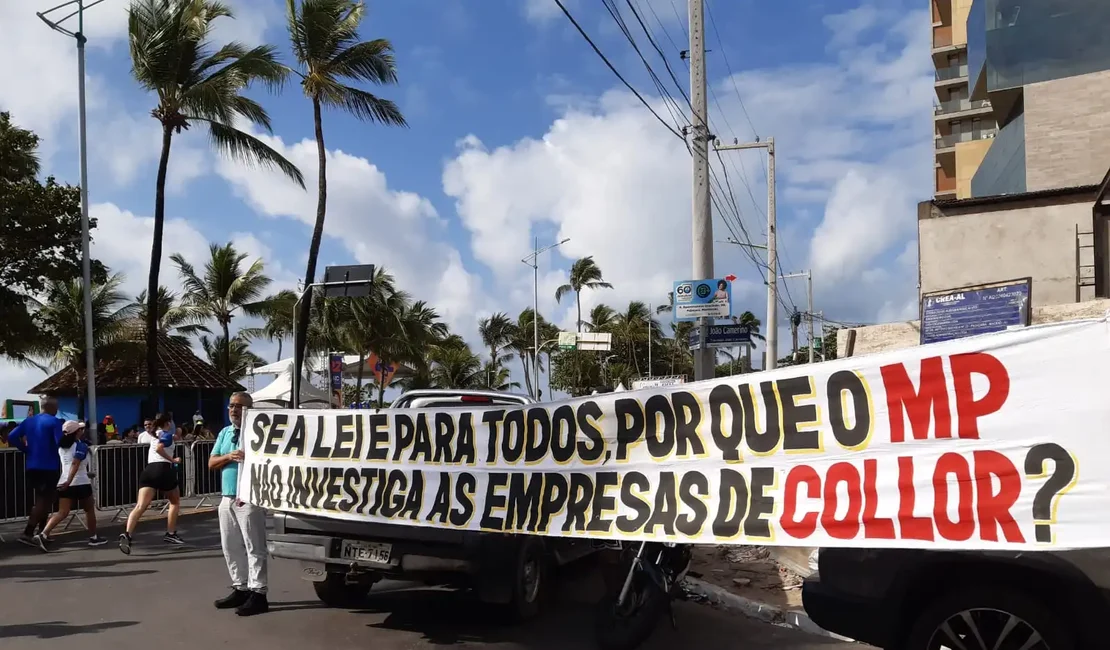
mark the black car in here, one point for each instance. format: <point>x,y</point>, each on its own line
<point>900,599</point>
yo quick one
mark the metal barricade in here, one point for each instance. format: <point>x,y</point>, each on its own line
<point>117,481</point>
<point>15,503</point>
<point>203,482</point>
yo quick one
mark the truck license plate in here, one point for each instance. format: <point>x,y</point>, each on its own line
<point>367,552</point>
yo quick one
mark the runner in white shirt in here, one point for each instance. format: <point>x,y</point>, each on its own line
<point>160,475</point>
<point>75,486</point>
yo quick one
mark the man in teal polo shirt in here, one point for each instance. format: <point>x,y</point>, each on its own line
<point>242,525</point>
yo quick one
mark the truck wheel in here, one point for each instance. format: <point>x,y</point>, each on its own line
<point>334,591</point>
<point>530,578</point>
<point>988,617</point>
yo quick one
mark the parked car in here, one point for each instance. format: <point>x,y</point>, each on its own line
<point>900,599</point>
<point>509,570</point>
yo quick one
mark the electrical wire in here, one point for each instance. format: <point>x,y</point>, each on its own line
<point>614,70</point>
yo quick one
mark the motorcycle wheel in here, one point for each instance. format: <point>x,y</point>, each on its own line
<point>626,626</point>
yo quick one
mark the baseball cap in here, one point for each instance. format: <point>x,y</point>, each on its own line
<point>72,426</point>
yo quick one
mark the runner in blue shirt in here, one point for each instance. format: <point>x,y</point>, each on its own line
<point>38,437</point>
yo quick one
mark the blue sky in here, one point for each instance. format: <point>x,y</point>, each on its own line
<point>518,130</point>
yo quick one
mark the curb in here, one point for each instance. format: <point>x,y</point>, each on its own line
<point>727,600</point>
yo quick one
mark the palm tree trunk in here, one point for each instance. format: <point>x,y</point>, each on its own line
<point>155,267</point>
<point>578,300</point>
<point>381,394</point>
<point>279,350</point>
<point>527,375</point>
<point>225,356</point>
<point>358,379</point>
<point>301,335</point>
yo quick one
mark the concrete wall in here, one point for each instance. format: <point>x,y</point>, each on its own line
<point>898,336</point>
<point>968,157</point>
<point>962,246</point>
<point>960,11</point>
<point>1067,131</point>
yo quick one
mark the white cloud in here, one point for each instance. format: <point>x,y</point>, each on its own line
<point>395,229</point>
<point>852,135</point>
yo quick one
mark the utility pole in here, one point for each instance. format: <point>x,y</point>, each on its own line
<point>699,146</point>
<point>808,275</point>
<point>532,260</point>
<point>86,260</point>
<point>650,331</point>
<point>772,247</point>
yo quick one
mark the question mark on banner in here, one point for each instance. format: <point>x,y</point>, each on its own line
<point>1064,474</point>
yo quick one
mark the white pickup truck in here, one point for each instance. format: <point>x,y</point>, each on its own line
<point>343,559</point>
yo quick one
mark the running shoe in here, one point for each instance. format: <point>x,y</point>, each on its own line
<point>41,542</point>
<point>97,540</point>
<point>28,540</point>
<point>173,538</point>
<point>125,543</point>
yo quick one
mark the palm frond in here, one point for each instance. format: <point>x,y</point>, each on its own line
<point>370,61</point>
<point>361,104</point>
<point>248,149</point>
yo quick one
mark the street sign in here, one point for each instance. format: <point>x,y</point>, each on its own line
<point>722,336</point>
<point>659,382</point>
<point>357,276</point>
<point>982,309</point>
<point>694,299</point>
<point>568,340</point>
<point>598,341</point>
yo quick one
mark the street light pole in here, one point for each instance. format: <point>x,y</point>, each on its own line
<point>86,260</point>
<point>532,260</point>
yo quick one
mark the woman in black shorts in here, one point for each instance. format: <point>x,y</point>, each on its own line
<point>160,475</point>
<point>75,487</point>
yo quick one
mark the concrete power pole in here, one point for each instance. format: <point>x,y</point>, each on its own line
<point>808,275</point>
<point>699,147</point>
<point>772,250</point>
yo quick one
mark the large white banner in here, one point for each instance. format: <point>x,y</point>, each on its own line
<point>999,441</point>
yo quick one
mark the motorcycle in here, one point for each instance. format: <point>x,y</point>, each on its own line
<point>633,606</point>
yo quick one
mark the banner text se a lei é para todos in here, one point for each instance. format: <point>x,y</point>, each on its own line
<point>984,443</point>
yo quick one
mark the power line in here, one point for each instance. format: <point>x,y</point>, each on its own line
<point>601,54</point>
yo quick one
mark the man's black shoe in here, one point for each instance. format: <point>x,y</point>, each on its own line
<point>235,599</point>
<point>256,604</point>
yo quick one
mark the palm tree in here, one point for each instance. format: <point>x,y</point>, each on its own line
<point>455,367</point>
<point>601,318</point>
<point>231,361</point>
<point>224,289</point>
<point>325,41</point>
<point>176,320</point>
<point>584,274</point>
<point>668,307</point>
<point>196,82</point>
<point>748,319</point>
<point>630,329</point>
<point>62,316</point>
<point>368,323</point>
<point>279,317</point>
<point>496,332</point>
<point>496,377</point>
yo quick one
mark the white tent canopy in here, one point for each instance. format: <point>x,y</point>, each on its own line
<point>279,393</point>
<point>350,367</point>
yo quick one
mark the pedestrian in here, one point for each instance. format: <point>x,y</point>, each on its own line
<point>242,525</point>
<point>75,488</point>
<point>160,474</point>
<point>38,437</point>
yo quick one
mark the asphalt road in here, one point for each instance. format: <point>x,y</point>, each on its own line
<point>161,597</point>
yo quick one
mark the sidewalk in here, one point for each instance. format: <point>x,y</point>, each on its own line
<point>760,582</point>
<point>104,518</point>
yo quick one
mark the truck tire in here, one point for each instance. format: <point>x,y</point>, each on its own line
<point>531,573</point>
<point>335,591</point>
<point>988,616</point>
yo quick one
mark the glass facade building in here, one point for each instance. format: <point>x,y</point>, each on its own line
<point>1020,42</point>
<point>1003,168</point>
